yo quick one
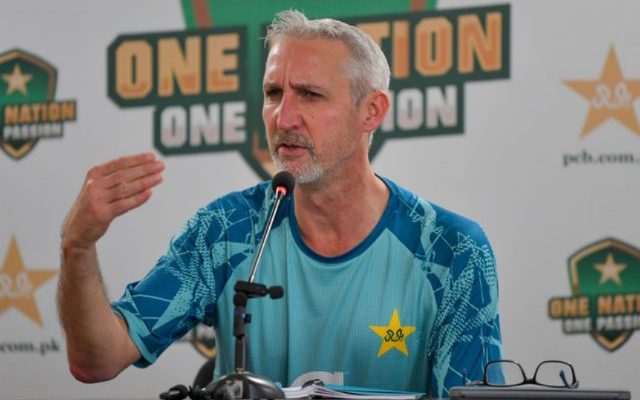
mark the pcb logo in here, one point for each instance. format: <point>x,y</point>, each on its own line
<point>605,286</point>
<point>28,111</point>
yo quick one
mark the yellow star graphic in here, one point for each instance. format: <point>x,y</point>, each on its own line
<point>17,284</point>
<point>610,271</point>
<point>16,80</point>
<point>610,96</point>
<point>393,335</point>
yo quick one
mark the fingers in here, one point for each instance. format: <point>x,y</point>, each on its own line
<point>132,173</point>
<point>121,163</point>
<point>129,182</point>
<point>124,177</point>
<point>129,203</point>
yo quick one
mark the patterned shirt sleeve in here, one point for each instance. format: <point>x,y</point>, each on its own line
<point>466,331</point>
<point>181,289</point>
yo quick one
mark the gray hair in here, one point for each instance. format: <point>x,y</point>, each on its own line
<point>368,68</point>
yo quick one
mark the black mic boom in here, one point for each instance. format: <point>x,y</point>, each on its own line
<point>242,384</point>
<point>250,385</point>
<point>282,184</point>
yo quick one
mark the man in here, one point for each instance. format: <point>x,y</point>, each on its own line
<point>382,288</point>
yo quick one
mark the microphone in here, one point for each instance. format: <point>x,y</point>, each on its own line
<point>242,384</point>
<point>282,184</point>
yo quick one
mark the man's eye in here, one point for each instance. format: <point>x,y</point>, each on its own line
<point>273,92</point>
<point>311,94</point>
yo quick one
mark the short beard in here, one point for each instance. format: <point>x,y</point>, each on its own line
<point>305,174</point>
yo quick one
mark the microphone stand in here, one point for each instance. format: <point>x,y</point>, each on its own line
<point>243,384</point>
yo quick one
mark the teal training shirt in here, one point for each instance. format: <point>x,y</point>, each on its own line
<point>412,307</point>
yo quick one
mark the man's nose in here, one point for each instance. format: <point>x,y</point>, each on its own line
<point>288,113</point>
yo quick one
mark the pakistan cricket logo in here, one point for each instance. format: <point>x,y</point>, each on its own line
<point>28,110</point>
<point>605,286</point>
<point>205,83</point>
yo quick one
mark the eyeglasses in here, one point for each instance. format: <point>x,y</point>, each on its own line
<point>550,373</point>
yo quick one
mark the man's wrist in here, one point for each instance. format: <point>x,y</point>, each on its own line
<point>76,251</point>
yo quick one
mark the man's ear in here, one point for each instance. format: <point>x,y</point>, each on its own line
<point>375,108</point>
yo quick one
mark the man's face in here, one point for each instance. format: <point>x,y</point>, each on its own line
<point>308,110</point>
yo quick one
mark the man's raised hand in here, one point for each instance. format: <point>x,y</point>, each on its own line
<point>109,190</point>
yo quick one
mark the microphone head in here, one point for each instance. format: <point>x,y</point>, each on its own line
<point>283,181</point>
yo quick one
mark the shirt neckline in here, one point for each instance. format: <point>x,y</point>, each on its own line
<point>362,246</point>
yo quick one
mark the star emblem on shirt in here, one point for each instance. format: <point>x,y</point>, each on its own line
<point>609,96</point>
<point>610,271</point>
<point>393,335</point>
<point>17,80</point>
<point>18,284</point>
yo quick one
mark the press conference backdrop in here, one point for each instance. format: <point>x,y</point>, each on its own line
<point>521,115</point>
